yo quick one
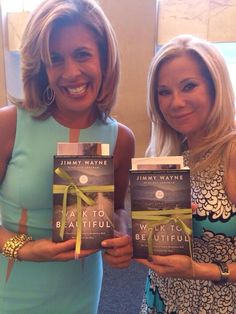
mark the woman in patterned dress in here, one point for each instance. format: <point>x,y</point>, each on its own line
<point>192,109</point>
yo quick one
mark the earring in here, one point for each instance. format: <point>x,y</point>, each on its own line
<point>48,96</point>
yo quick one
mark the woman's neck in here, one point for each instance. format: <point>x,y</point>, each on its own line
<point>75,120</point>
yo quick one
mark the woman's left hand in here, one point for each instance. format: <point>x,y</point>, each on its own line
<point>118,251</point>
<point>176,266</point>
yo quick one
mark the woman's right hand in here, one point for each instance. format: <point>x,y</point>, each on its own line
<point>45,250</point>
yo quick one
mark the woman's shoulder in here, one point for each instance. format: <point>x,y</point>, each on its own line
<point>125,139</point>
<point>125,144</point>
<point>7,135</point>
<point>8,111</point>
<point>7,120</point>
<point>125,134</point>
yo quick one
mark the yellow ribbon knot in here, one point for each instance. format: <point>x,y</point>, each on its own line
<point>162,217</point>
<point>72,188</point>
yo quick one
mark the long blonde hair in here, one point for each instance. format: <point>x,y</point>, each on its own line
<point>219,132</point>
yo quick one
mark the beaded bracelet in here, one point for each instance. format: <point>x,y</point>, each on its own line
<point>12,246</point>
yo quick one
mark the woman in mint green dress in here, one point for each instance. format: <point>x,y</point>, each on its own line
<point>192,108</point>
<point>70,71</point>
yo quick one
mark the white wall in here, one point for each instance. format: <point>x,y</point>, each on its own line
<point>11,59</point>
<point>209,19</point>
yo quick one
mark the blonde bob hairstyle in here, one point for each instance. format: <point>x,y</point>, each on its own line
<point>220,125</point>
<point>47,18</point>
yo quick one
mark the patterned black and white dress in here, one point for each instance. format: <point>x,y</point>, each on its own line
<point>214,228</point>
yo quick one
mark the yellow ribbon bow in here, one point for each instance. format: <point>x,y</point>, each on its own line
<point>72,188</point>
<point>163,217</point>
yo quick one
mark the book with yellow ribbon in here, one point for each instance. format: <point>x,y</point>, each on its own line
<point>83,200</point>
<point>160,208</point>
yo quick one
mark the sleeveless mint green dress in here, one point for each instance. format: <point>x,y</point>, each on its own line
<point>26,205</point>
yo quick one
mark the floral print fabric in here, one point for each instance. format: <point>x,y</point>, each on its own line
<point>214,239</point>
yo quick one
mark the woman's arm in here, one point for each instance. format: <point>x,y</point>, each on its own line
<point>43,249</point>
<point>119,251</point>
<point>180,266</point>
<point>123,153</point>
<point>7,136</point>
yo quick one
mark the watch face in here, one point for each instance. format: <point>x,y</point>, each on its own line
<point>224,268</point>
<point>224,272</point>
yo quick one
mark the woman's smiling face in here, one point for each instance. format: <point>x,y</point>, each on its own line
<point>184,96</point>
<point>75,74</point>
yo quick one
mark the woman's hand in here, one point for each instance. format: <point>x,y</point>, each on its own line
<point>118,251</point>
<point>44,250</point>
<point>176,266</point>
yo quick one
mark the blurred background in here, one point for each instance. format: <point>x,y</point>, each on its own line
<point>141,27</point>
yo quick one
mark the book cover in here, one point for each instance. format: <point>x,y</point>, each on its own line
<point>83,200</point>
<point>161,212</point>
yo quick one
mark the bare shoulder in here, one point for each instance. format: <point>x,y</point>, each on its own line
<point>231,174</point>
<point>125,141</point>
<point>125,134</point>
<point>7,135</point>
<point>7,121</point>
<point>8,112</point>
<point>125,145</point>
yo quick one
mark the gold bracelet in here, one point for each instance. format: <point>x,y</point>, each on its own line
<point>12,246</point>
